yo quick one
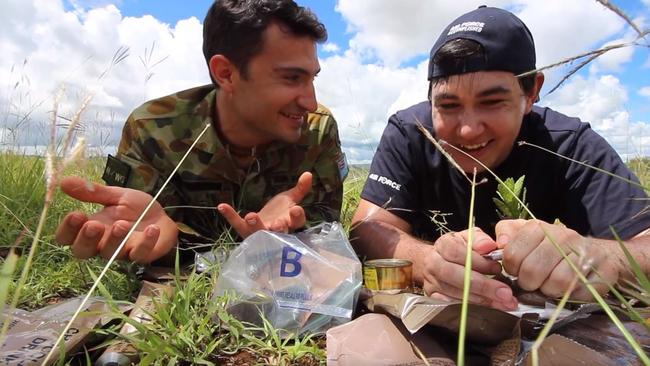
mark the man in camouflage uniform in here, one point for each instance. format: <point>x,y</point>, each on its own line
<point>267,133</point>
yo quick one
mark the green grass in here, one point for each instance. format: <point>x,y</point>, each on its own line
<point>185,330</point>
<point>56,273</point>
<point>641,167</point>
<point>351,194</point>
<point>188,328</point>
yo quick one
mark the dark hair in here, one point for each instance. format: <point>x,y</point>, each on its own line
<point>457,54</point>
<point>234,28</point>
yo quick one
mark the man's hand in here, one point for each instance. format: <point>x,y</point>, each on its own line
<point>102,232</point>
<point>282,213</point>
<point>445,269</point>
<point>530,255</point>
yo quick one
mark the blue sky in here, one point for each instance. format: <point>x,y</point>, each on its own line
<point>171,11</point>
<point>373,65</point>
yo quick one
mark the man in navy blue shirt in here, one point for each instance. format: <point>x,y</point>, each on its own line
<point>415,204</point>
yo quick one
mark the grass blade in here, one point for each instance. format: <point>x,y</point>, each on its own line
<point>634,265</point>
<point>6,276</point>
<point>631,312</point>
<point>23,276</point>
<point>549,324</point>
<point>636,184</point>
<point>467,278</point>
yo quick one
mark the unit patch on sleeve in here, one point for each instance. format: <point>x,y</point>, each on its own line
<point>116,172</point>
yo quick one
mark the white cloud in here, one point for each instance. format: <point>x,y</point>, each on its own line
<point>645,91</point>
<point>80,5</point>
<point>595,100</point>
<point>576,26</point>
<point>602,102</point>
<point>396,31</point>
<point>362,97</point>
<point>74,48</point>
<point>331,47</point>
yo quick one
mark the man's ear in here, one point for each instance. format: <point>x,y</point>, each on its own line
<point>534,93</point>
<point>222,71</point>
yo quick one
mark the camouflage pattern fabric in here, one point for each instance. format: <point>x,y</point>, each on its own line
<point>158,133</point>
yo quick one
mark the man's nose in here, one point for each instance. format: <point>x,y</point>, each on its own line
<point>307,98</point>
<point>470,125</point>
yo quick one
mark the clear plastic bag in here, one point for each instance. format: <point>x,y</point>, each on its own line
<point>301,282</point>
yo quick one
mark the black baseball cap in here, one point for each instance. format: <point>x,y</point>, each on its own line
<point>506,40</point>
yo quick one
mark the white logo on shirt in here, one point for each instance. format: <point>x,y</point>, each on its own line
<point>383,180</point>
<point>466,27</point>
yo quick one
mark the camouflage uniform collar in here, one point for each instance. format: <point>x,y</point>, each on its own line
<point>205,111</point>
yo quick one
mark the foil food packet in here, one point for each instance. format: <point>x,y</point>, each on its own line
<point>485,325</point>
<point>31,335</point>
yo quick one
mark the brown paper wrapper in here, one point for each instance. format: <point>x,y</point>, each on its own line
<point>376,339</point>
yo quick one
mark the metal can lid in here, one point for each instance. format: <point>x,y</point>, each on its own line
<point>389,262</point>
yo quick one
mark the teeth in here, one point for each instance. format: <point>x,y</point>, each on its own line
<point>474,147</point>
<point>292,116</point>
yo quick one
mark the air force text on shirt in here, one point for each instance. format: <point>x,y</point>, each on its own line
<point>383,180</point>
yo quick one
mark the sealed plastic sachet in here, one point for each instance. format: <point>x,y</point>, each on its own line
<point>308,281</point>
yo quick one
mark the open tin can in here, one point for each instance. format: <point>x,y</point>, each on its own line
<point>390,276</point>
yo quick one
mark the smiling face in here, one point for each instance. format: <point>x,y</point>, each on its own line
<point>270,100</point>
<point>479,113</point>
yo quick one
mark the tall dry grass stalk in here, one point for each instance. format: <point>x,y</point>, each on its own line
<point>120,247</point>
<point>420,354</point>
<point>611,6</point>
<point>603,171</point>
<point>53,170</point>
<point>55,165</point>
<point>588,57</point>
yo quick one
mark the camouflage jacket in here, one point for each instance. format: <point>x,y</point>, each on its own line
<point>158,133</point>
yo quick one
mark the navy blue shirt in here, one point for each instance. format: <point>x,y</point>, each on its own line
<point>414,181</point>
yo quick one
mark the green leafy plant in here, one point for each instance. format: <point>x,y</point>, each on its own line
<point>511,200</point>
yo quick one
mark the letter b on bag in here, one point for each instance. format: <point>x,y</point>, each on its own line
<point>293,261</point>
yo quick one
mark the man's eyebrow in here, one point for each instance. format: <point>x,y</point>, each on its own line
<point>295,69</point>
<point>493,91</point>
<point>440,96</point>
<point>484,93</point>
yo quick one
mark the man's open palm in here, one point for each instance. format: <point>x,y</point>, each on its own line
<point>282,213</point>
<point>102,232</point>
